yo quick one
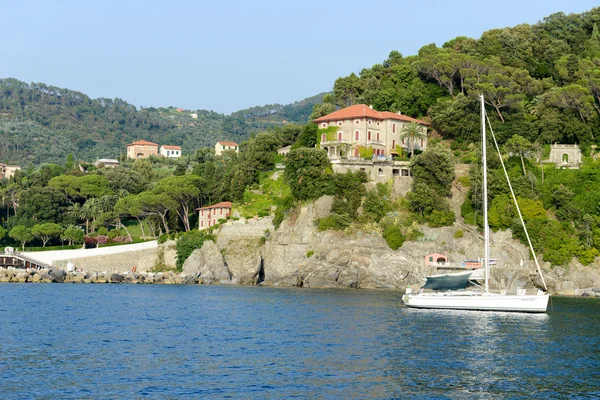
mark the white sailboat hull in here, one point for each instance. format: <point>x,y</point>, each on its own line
<point>466,300</point>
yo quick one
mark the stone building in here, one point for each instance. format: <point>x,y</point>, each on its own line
<point>565,155</point>
<point>142,149</point>
<point>360,126</point>
<point>210,216</point>
<point>220,147</point>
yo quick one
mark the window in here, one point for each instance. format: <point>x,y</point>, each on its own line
<point>222,209</point>
<point>370,122</point>
<point>402,141</point>
<point>394,128</point>
<point>395,172</point>
<point>393,144</point>
<point>339,123</point>
<point>224,145</point>
<point>357,122</point>
<point>201,224</point>
<point>323,137</point>
<point>202,213</point>
<point>340,135</point>
<point>324,125</point>
<point>355,152</point>
<point>380,171</point>
<point>378,136</point>
<point>356,135</point>
<point>421,141</point>
<point>369,135</point>
<point>377,123</point>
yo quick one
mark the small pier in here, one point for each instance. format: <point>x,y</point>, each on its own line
<point>16,260</point>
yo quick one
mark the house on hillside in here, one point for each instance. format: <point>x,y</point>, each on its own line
<point>142,149</point>
<point>210,216</point>
<point>170,151</point>
<point>106,163</point>
<point>220,147</point>
<point>284,150</point>
<point>8,171</point>
<point>360,126</point>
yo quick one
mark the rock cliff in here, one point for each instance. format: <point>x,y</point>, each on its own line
<point>297,254</point>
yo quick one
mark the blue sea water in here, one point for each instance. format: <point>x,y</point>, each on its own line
<point>164,341</point>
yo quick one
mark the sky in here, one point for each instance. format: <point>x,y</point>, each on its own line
<point>230,55</point>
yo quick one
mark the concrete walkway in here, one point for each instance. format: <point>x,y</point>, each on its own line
<point>48,257</point>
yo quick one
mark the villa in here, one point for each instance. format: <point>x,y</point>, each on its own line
<point>360,126</point>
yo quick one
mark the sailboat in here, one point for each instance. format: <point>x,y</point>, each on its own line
<point>448,290</point>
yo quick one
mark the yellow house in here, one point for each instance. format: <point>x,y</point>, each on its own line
<point>220,147</point>
<point>361,126</point>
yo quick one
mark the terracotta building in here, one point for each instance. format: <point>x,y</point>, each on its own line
<point>220,147</point>
<point>210,216</point>
<point>362,126</point>
<point>142,149</point>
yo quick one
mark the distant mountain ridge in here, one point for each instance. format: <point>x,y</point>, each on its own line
<point>40,123</point>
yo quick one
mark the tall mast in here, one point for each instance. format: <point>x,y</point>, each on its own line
<point>486,229</point>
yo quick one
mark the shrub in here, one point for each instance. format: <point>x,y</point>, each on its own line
<point>439,218</point>
<point>458,234</point>
<point>262,213</point>
<point>186,244</point>
<point>113,233</point>
<point>121,239</point>
<point>222,220</point>
<point>309,253</point>
<point>393,237</point>
<point>163,238</point>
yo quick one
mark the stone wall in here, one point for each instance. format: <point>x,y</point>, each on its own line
<point>144,260</point>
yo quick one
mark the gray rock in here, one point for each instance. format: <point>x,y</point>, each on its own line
<point>206,265</point>
<point>116,278</point>
<point>58,274</point>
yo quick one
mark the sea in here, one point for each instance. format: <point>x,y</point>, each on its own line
<point>76,341</point>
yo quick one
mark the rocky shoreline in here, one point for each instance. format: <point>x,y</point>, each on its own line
<point>56,275</point>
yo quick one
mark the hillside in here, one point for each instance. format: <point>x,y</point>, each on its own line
<point>43,124</point>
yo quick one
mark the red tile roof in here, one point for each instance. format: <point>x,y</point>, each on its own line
<point>168,146</point>
<point>228,144</point>
<point>364,111</point>
<point>223,204</point>
<point>142,143</point>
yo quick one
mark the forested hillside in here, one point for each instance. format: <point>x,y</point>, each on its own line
<point>541,85</point>
<point>541,81</point>
<point>43,124</point>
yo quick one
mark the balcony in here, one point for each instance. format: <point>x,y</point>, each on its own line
<point>335,142</point>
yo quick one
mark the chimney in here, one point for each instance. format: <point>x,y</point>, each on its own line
<point>371,106</point>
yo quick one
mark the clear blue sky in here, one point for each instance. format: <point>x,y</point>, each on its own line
<point>229,55</point>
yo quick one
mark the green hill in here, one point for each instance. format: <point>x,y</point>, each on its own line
<point>43,124</point>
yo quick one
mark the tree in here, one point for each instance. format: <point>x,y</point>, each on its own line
<point>46,232</point>
<point>73,234</point>
<point>518,145</point>
<point>308,172</point>
<point>184,190</point>
<point>21,234</point>
<point>435,169</point>
<point>158,205</point>
<point>412,131</point>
